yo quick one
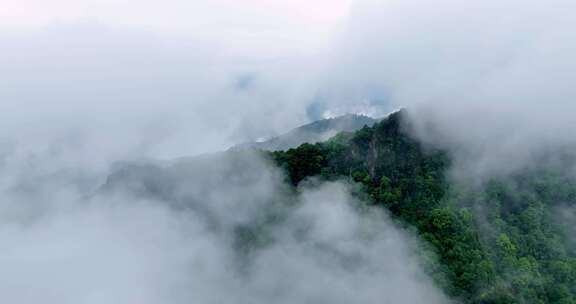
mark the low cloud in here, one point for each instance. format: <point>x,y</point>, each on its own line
<point>491,81</point>
<point>137,93</point>
<point>220,229</point>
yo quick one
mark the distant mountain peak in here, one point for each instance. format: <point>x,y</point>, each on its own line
<point>316,131</point>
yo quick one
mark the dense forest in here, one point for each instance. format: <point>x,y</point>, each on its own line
<point>505,241</point>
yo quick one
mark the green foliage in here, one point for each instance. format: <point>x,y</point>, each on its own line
<point>307,160</point>
<point>498,244</point>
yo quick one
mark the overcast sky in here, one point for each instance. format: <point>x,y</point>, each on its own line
<point>243,26</point>
<point>203,75</point>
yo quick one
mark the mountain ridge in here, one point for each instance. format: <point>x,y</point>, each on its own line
<point>316,131</point>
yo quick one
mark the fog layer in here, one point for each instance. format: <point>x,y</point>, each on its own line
<point>219,229</point>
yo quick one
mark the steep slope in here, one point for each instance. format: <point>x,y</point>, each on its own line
<point>314,132</point>
<point>501,243</point>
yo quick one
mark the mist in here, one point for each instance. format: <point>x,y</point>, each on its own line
<point>112,188</point>
<point>224,228</point>
<point>492,78</point>
<point>138,93</point>
<point>489,81</point>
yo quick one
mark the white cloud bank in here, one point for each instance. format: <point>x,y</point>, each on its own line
<point>222,229</point>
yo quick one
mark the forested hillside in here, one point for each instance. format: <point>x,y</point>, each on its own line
<point>505,241</point>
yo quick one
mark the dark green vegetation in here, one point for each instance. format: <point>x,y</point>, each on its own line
<point>503,242</point>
